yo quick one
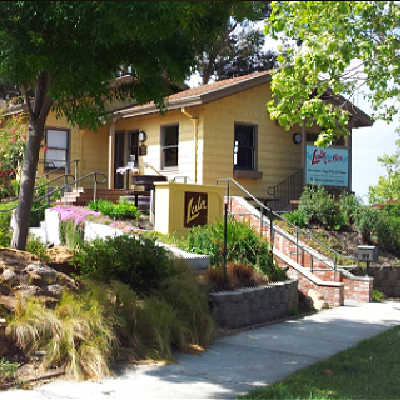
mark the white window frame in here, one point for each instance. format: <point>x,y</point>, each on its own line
<point>164,147</point>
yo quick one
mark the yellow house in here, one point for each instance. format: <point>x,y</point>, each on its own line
<point>212,131</point>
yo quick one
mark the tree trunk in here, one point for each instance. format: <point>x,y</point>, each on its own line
<point>37,120</point>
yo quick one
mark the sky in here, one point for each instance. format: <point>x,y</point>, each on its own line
<point>368,143</point>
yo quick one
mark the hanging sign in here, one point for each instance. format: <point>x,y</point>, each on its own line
<point>196,209</point>
<point>328,167</point>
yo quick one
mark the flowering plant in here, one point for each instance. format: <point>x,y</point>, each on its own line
<point>77,214</point>
<point>13,133</point>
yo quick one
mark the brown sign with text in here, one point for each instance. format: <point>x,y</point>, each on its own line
<point>196,209</point>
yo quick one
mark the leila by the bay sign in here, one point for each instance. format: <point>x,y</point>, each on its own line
<point>196,209</point>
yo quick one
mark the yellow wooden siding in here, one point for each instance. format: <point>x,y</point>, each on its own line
<point>151,124</point>
<point>278,157</point>
<point>89,148</point>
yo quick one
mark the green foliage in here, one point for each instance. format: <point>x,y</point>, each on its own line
<point>348,206</point>
<point>5,231</point>
<point>377,295</point>
<point>388,232</point>
<point>365,371</point>
<point>321,40</point>
<point>318,207</point>
<point>140,263</point>
<point>388,186</point>
<point>121,211</point>
<point>244,246</point>
<point>71,234</point>
<point>296,217</point>
<point>8,370</point>
<point>35,246</point>
<point>366,221</point>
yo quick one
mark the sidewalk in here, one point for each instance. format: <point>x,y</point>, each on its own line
<point>235,364</point>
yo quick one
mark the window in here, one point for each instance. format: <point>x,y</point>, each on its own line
<point>57,143</point>
<point>244,150</point>
<point>169,146</point>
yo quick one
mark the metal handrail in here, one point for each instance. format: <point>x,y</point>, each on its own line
<point>272,214</point>
<point>57,169</point>
<point>67,184</point>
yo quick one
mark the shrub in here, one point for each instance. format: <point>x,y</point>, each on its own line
<point>5,230</point>
<point>238,275</point>
<point>377,295</point>
<point>296,217</point>
<point>8,370</point>
<point>318,207</point>
<point>122,210</point>
<point>35,246</point>
<point>348,205</point>
<point>244,246</point>
<point>388,232</point>
<point>140,263</point>
<point>366,220</point>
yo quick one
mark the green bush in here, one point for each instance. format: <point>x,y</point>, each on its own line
<point>318,207</point>
<point>35,246</point>
<point>348,206</point>
<point>5,231</point>
<point>296,217</point>
<point>377,295</point>
<point>140,263</point>
<point>244,246</point>
<point>8,370</point>
<point>120,211</point>
<point>388,232</point>
<point>367,220</point>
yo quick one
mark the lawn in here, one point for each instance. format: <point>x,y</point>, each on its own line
<point>370,370</point>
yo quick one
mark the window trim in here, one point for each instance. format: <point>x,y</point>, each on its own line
<point>67,149</point>
<point>164,147</point>
<point>254,148</point>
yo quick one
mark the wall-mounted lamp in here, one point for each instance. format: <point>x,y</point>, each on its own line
<point>297,138</point>
<point>142,136</point>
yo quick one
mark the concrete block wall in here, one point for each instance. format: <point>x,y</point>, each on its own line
<point>251,306</point>
<point>314,270</point>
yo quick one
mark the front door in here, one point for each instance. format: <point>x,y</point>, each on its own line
<point>126,148</point>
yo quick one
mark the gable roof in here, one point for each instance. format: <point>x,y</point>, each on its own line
<point>214,91</point>
<point>201,94</point>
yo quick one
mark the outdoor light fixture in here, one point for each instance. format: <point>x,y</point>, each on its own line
<point>297,138</point>
<point>142,136</point>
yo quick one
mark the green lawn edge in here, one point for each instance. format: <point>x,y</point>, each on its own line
<point>369,370</point>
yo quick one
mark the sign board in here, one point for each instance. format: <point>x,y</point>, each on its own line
<point>196,209</point>
<point>328,167</point>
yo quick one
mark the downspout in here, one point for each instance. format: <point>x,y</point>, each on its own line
<point>195,121</point>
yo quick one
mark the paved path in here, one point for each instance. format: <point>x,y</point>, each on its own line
<point>234,364</point>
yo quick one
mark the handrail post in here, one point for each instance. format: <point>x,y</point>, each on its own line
<point>76,173</point>
<point>271,232</point>
<point>66,183</point>
<point>94,186</point>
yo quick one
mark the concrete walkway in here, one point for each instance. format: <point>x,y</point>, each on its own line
<point>235,364</point>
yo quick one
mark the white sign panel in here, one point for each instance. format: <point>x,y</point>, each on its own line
<point>329,167</point>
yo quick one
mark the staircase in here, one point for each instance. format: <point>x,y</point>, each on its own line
<point>280,195</point>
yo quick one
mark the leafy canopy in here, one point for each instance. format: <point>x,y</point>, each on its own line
<point>333,48</point>
<point>81,45</point>
<point>388,186</point>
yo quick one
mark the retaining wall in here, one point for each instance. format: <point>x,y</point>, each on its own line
<point>252,306</point>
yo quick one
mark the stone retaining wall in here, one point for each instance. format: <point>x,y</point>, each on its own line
<point>250,306</point>
<point>386,278</point>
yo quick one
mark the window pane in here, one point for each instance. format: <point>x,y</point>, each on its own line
<point>57,138</point>
<point>244,134</point>
<point>55,158</point>
<point>171,135</point>
<point>245,158</point>
<point>170,157</point>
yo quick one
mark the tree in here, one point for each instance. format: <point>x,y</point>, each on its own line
<point>388,187</point>
<point>332,49</point>
<point>236,48</point>
<point>64,55</point>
